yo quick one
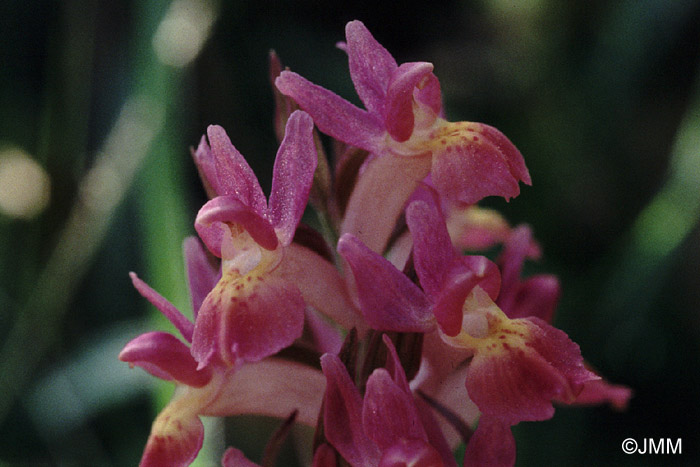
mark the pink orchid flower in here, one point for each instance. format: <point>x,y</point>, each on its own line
<point>257,307</point>
<point>518,367</point>
<point>388,427</point>
<point>217,389</point>
<point>403,128</point>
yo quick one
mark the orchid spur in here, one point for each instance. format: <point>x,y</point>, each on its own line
<point>408,139</point>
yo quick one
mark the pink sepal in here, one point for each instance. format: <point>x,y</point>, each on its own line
<point>202,275</point>
<point>216,213</point>
<point>486,164</point>
<point>519,383</point>
<point>292,176</point>
<point>371,66</point>
<point>331,113</point>
<point>164,356</point>
<point>432,247</point>
<point>411,452</point>
<point>233,174</point>
<point>179,320</point>
<point>235,458</point>
<point>389,413</point>
<point>388,299</point>
<point>343,415</point>
<point>174,441</point>
<point>491,445</point>
<point>247,322</point>
<point>398,107</point>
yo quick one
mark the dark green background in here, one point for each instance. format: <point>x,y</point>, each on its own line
<point>592,92</point>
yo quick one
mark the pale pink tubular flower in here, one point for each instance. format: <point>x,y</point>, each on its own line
<point>387,427</point>
<point>215,390</point>
<point>403,128</point>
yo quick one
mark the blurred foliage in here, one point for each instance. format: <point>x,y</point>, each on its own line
<point>601,97</point>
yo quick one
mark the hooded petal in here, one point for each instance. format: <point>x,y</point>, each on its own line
<point>179,320</point>
<point>233,174</point>
<point>465,274</point>
<point>332,114</point>
<point>202,275</point>
<point>398,108</point>
<point>247,319</point>
<point>165,357</point>
<point>473,160</point>
<point>342,421</point>
<point>371,66</point>
<point>292,176</point>
<point>388,299</point>
<point>215,214</point>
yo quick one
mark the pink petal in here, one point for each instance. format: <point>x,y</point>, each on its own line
<point>165,357</point>
<point>432,247</point>
<point>331,113</point>
<point>247,319</point>
<point>202,275</point>
<point>176,438</point>
<point>388,299</point>
<point>389,413</point>
<point>228,209</point>
<point>371,66</point>
<point>343,415</point>
<point>398,107</point>
<point>473,160</point>
<point>428,93</point>
<point>292,176</point>
<point>233,174</point>
<point>272,387</point>
<point>235,458</point>
<point>410,452</point>
<point>179,320</point>
<point>492,444</point>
